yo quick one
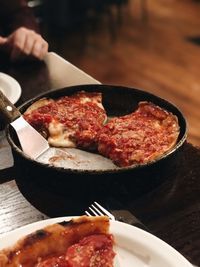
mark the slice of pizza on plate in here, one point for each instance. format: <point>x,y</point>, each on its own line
<point>81,242</point>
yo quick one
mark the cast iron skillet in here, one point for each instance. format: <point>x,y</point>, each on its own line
<point>133,180</point>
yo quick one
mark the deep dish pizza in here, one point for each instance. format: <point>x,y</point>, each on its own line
<point>69,121</point>
<point>80,121</point>
<point>81,242</point>
<point>139,137</point>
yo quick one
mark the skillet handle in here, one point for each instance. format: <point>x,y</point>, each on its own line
<point>7,110</point>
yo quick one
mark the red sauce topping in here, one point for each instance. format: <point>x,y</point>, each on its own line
<point>91,251</point>
<point>140,136</point>
<point>79,114</point>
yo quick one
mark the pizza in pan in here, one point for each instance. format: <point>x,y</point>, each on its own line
<point>69,121</point>
<point>80,120</point>
<point>81,242</point>
<point>139,137</point>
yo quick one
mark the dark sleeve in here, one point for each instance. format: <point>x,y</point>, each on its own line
<point>15,14</point>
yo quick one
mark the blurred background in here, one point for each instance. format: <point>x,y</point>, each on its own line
<point>153,45</point>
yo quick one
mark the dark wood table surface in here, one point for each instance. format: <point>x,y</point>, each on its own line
<point>171,211</point>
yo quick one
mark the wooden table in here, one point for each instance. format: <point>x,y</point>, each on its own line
<point>171,211</point>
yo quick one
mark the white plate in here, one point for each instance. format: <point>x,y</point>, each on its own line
<point>10,87</point>
<point>134,247</point>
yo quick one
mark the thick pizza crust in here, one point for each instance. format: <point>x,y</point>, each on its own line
<point>52,240</point>
<point>37,104</point>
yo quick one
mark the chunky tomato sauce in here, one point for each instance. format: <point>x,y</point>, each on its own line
<point>139,137</point>
<point>91,251</point>
<point>81,115</point>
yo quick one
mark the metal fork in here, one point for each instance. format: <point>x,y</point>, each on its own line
<point>122,215</point>
<point>97,210</point>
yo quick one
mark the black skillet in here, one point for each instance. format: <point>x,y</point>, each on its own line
<point>125,183</point>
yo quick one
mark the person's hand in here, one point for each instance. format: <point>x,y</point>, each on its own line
<point>24,42</point>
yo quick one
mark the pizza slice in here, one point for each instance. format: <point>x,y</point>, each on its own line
<point>70,121</point>
<point>139,137</point>
<point>83,241</point>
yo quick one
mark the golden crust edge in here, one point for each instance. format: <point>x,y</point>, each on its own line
<point>9,257</point>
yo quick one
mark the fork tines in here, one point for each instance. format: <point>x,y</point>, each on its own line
<point>97,210</point>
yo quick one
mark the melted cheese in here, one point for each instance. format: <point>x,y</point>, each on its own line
<point>59,135</point>
<point>87,99</point>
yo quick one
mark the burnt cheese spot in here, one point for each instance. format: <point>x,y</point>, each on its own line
<point>33,238</point>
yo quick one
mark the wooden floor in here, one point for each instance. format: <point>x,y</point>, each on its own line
<point>153,55</point>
